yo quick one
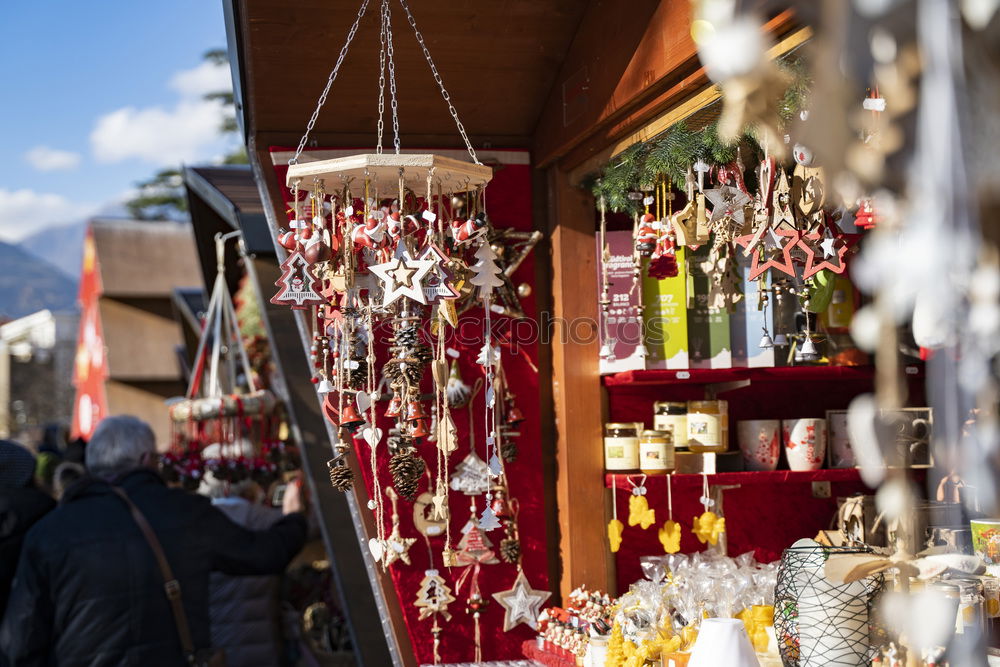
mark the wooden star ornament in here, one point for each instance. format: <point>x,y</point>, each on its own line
<point>521,603</point>
<point>823,252</point>
<point>402,276</point>
<point>780,257</point>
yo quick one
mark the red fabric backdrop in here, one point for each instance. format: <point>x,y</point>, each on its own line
<point>509,206</point>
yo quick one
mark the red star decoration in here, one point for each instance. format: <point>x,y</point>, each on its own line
<point>811,244</point>
<point>788,239</point>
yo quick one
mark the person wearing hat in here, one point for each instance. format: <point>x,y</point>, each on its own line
<point>21,505</point>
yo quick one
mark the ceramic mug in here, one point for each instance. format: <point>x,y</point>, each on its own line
<point>805,443</point>
<point>760,443</point>
<point>986,539</point>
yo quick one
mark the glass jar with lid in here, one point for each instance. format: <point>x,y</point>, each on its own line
<point>656,452</point>
<point>671,416</point>
<point>708,426</point>
<point>621,446</point>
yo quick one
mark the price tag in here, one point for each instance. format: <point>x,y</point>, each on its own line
<point>349,211</point>
<point>429,216</point>
<point>453,353</point>
<point>648,201</point>
<point>683,375</point>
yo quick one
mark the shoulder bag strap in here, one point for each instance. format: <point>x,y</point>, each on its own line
<point>171,586</point>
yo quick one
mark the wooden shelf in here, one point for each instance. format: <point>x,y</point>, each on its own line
<point>724,375</point>
<point>621,481</point>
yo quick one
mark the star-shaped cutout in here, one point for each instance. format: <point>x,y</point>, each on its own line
<point>401,277</point>
<point>779,258</point>
<point>832,248</point>
<point>521,603</point>
<point>727,202</point>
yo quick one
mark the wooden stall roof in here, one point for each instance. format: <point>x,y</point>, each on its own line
<point>127,249</point>
<point>235,183</point>
<point>498,60</point>
<point>140,336</point>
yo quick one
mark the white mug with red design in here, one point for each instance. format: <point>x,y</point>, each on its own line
<point>760,443</point>
<point>805,443</point>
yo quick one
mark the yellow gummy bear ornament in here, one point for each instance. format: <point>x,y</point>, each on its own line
<point>708,527</point>
<point>615,528</point>
<point>640,513</point>
<point>670,537</point>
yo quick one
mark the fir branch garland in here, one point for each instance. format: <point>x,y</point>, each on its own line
<point>671,153</point>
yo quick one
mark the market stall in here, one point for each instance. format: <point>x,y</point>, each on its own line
<point>663,234</point>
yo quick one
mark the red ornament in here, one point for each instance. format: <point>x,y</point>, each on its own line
<point>786,240</point>
<point>830,249</point>
<point>299,286</point>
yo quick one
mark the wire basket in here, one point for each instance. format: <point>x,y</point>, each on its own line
<point>817,622</point>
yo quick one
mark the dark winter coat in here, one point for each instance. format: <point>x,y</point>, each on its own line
<point>244,611</point>
<point>19,510</point>
<point>88,591</point>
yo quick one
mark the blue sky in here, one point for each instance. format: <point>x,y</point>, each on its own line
<point>99,95</point>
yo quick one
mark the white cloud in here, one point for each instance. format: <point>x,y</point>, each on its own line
<point>186,132</point>
<point>44,158</point>
<point>25,211</point>
<point>201,80</point>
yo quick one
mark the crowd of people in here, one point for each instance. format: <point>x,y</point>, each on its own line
<point>105,564</point>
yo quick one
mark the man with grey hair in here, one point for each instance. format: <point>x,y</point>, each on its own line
<point>88,589</point>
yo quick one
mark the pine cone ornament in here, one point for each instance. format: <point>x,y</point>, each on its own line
<point>392,372</point>
<point>357,378</point>
<point>408,335</point>
<point>508,450</point>
<point>407,468</point>
<point>341,477</point>
<point>412,373</point>
<point>421,353</point>
<point>510,549</point>
<point>398,442</point>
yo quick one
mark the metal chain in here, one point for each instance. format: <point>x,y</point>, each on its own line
<point>381,81</point>
<point>329,82</point>
<point>392,76</point>
<point>437,77</point>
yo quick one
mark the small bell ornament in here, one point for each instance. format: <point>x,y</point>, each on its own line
<point>780,340</point>
<point>349,418</point>
<point>414,411</point>
<point>395,407</point>
<point>766,343</point>
<point>324,386</point>
<point>419,429</point>
<point>808,351</point>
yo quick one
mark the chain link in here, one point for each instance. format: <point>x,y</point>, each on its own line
<point>381,81</point>
<point>329,83</point>
<point>392,77</point>
<point>437,78</point>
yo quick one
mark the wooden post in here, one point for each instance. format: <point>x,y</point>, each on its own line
<point>576,388</point>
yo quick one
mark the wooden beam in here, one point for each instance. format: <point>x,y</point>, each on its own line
<point>663,71</point>
<point>576,388</point>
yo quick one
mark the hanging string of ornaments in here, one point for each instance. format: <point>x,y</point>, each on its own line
<point>401,243</point>
<point>779,216</point>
